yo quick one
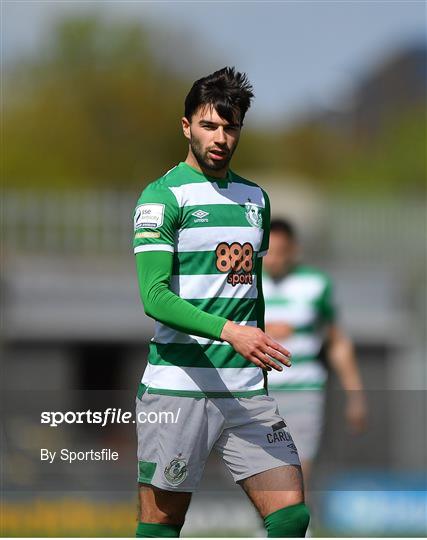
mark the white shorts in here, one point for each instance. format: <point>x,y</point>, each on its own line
<point>249,434</point>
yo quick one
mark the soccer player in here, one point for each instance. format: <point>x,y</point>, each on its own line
<point>201,231</point>
<point>300,314</point>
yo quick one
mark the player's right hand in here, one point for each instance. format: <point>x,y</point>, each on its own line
<point>256,346</point>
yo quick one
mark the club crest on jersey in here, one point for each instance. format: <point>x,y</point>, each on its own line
<point>253,214</point>
<point>176,472</point>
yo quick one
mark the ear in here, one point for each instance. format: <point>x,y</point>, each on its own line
<point>186,127</point>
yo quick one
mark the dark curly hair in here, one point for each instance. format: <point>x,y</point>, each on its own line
<point>227,90</point>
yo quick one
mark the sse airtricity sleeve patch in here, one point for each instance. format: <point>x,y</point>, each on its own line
<point>149,216</point>
<point>156,219</point>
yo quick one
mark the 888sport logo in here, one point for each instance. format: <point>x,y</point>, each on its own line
<point>237,260</point>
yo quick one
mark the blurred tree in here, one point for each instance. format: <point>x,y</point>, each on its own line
<point>91,108</point>
<point>98,104</point>
<point>392,163</point>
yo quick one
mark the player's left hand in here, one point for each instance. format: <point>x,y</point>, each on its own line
<point>256,346</point>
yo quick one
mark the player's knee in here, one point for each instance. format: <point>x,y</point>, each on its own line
<point>290,521</point>
<point>157,530</point>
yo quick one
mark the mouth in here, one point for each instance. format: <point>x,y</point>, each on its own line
<point>217,154</point>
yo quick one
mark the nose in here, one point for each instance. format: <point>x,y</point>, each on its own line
<point>220,136</point>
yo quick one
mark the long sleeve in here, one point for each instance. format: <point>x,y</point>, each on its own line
<point>154,269</point>
<point>156,220</point>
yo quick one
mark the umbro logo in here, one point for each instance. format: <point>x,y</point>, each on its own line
<point>200,213</point>
<point>200,216</point>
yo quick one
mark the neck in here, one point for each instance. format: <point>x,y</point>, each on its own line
<point>192,161</point>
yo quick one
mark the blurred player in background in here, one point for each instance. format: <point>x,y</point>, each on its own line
<point>300,314</point>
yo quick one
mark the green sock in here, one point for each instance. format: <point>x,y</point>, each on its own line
<point>290,522</point>
<point>157,530</point>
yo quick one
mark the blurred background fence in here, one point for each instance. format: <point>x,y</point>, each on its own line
<point>99,222</point>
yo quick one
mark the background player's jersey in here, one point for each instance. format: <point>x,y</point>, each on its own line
<point>216,229</point>
<point>303,300</point>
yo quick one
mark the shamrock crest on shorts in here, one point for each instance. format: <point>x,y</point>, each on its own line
<point>177,471</point>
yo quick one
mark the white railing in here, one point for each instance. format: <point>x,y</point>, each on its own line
<point>100,221</point>
<point>68,221</point>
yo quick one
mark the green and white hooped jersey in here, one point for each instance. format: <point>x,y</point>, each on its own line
<point>303,300</point>
<point>215,229</point>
